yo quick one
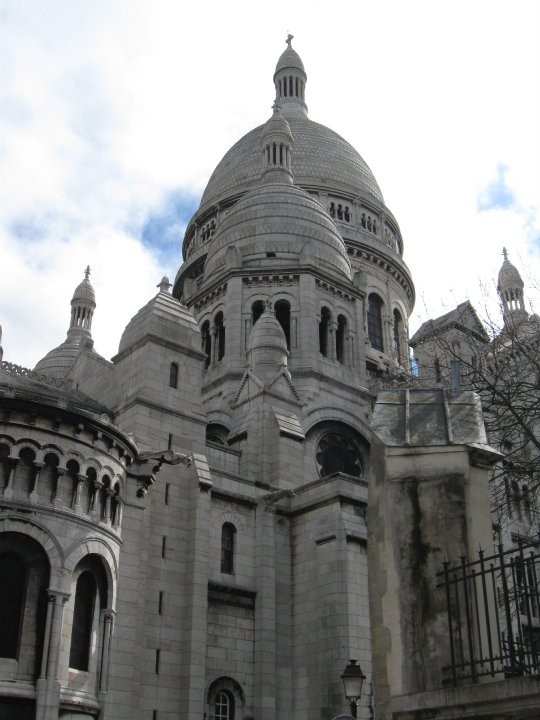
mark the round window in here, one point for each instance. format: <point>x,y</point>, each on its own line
<point>337,453</point>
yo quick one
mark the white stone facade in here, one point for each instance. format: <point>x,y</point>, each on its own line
<point>232,583</point>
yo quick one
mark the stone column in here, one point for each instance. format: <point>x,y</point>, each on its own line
<point>8,490</point>
<point>104,665</point>
<point>33,497</point>
<point>265,615</point>
<point>107,515</point>
<point>95,504</point>
<point>59,476</point>
<point>48,685</point>
<point>332,327</point>
<point>77,496</point>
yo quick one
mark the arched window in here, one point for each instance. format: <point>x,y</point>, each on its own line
<point>282,310</point>
<point>324,328</point>
<point>173,375</point>
<point>13,583</point>
<point>219,332</point>
<point>83,618</point>
<point>224,705</point>
<point>217,434</point>
<point>206,343</point>
<point>90,597</point>
<point>341,334</point>
<point>398,332</point>
<point>375,329</point>
<point>115,505</point>
<point>24,577</point>
<point>257,310</point>
<point>228,531</point>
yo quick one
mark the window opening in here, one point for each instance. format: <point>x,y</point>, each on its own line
<point>220,335</point>
<point>228,531</point>
<point>13,583</point>
<point>398,327</point>
<point>375,330</point>
<point>341,332</point>
<point>223,706</point>
<point>282,310</point>
<point>173,375</point>
<point>324,326</point>
<point>83,617</point>
<point>206,342</point>
<point>337,453</point>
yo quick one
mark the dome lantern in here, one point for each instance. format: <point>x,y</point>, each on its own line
<point>290,82</point>
<point>83,304</point>
<point>510,288</point>
<point>276,145</point>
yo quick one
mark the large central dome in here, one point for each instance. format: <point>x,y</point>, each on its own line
<point>321,158</point>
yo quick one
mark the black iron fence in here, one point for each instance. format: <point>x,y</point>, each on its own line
<point>493,608</point>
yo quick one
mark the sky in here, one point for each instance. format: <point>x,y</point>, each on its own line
<point>113,114</point>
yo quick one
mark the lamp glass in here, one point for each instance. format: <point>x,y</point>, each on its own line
<point>353,678</point>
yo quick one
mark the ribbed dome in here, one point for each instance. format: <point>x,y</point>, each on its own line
<point>273,223</point>
<point>289,59</point>
<point>321,158</point>
<point>84,292</point>
<point>509,277</point>
<point>58,362</point>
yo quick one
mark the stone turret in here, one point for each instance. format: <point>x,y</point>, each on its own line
<point>59,361</point>
<point>510,288</point>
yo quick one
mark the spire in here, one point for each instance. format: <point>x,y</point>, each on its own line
<point>276,145</point>
<point>267,345</point>
<point>290,82</point>
<point>83,304</point>
<point>164,285</point>
<point>510,288</point>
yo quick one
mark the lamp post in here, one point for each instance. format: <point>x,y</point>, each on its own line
<point>353,677</point>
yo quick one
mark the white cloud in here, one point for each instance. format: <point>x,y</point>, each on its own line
<point>106,108</point>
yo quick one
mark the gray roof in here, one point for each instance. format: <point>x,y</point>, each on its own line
<point>25,384</point>
<point>320,157</point>
<point>463,316</point>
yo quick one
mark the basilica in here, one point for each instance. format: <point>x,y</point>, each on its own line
<point>183,527</point>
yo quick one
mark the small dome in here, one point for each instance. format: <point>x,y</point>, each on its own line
<point>276,124</point>
<point>84,292</point>
<point>276,223</point>
<point>57,362</point>
<point>509,277</point>
<point>289,59</point>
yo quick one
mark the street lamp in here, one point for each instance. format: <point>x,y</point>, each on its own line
<point>353,677</point>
